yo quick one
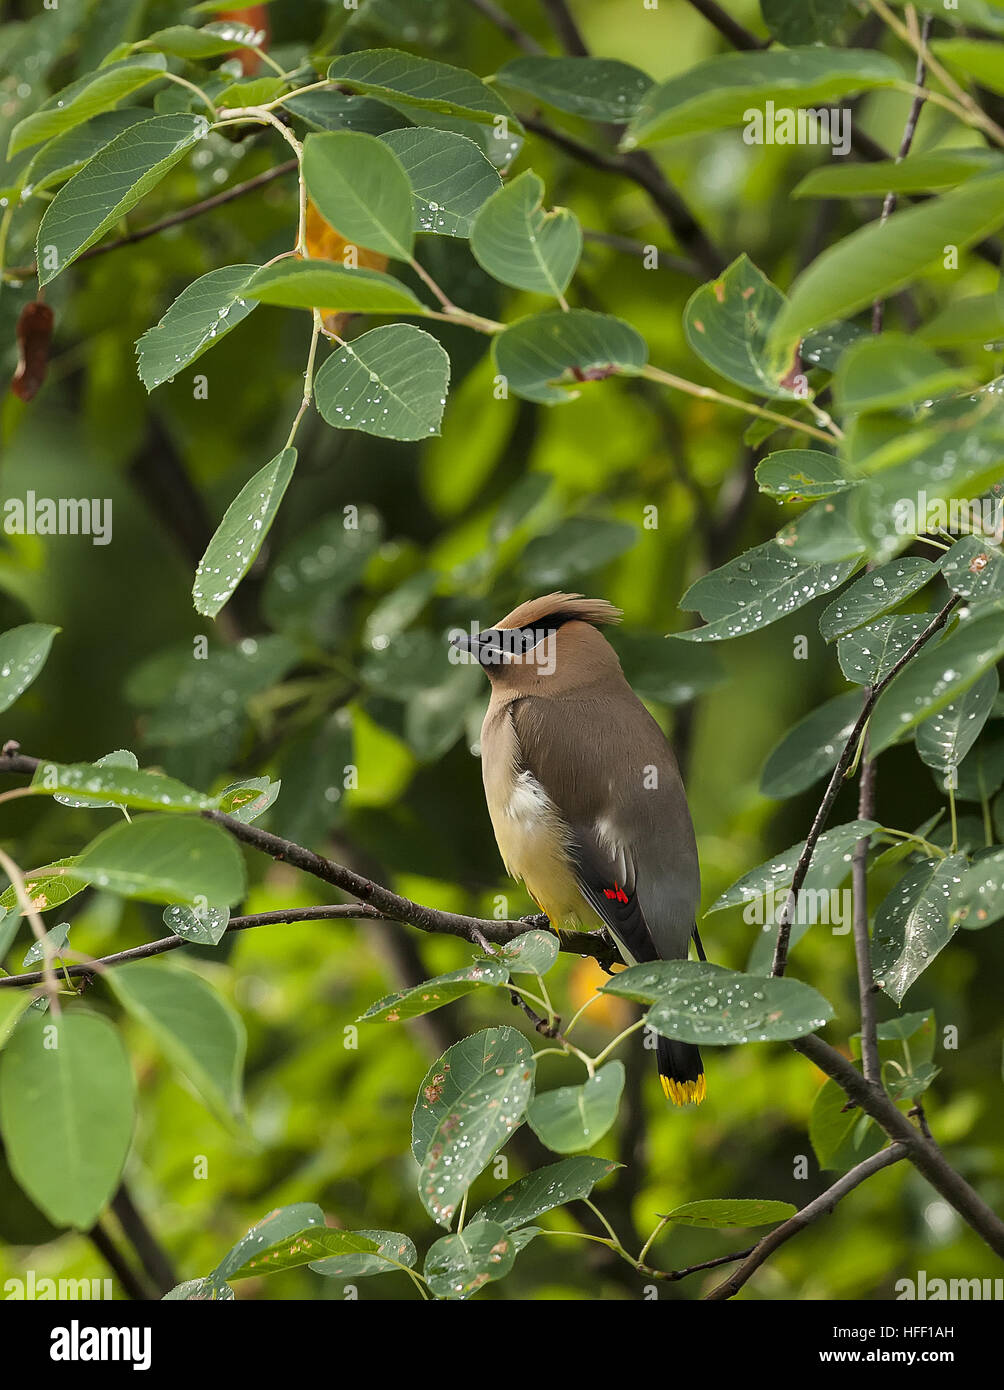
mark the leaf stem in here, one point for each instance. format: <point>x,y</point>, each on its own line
<point>708,393</point>
<point>308,380</point>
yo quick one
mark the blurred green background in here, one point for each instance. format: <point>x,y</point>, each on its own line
<point>343,665</point>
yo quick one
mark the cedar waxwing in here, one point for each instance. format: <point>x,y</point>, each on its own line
<point>584,793</point>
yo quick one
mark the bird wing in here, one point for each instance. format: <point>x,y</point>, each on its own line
<point>615,783</point>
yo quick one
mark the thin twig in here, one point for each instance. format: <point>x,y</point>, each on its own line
<point>909,130</point>
<point>820,1206</point>
<point>25,272</point>
<point>737,35</point>
<point>496,15</point>
<point>830,795</point>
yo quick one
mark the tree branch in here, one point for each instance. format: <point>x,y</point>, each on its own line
<point>922,1152</point>
<point>130,1280</point>
<point>496,15</point>
<point>564,25</point>
<point>843,763</point>
<point>821,1205</point>
<point>152,1256</point>
<point>340,911</point>
<point>736,33</point>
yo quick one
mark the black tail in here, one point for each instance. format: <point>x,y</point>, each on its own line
<point>681,1071</point>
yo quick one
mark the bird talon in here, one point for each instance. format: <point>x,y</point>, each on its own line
<point>540,920</point>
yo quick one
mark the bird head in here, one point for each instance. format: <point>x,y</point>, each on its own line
<point>552,640</point>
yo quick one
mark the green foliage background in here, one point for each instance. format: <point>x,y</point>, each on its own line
<point>327,1123</point>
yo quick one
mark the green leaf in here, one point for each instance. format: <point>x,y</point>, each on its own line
<point>973,318</point>
<point>869,653</point>
<point>450,178</point>
<point>600,89</point>
<point>982,891</point>
<point>407,81</point>
<point>394,1251</point>
<point>914,1083</point>
<point>974,568</point>
<point>55,940</point>
<point>888,372</point>
<point>91,95</point>
<point>360,187</point>
<point>200,1291</point>
<point>184,41</point>
<point>832,854</point>
<point>246,801</point>
<point>271,1232</point>
<point>57,160</point>
<point>13,1003</point>
<point>936,676</point>
<point>920,173</point>
<point>577,1117</point>
<point>874,593</point>
<point>523,246</point>
<point>804,21</point>
<point>117,785</point>
<point>547,1188</point>
<point>289,1237</point>
<point>980,775</point>
<point>980,59</point>
<point>120,757</point>
<point>198,1031</point>
<point>391,381</point>
<point>578,545</point>
<point>878,259</point>
<point>308,284</point>
<point>757,589</point>
<point>471,1100</point>
<point>533,953</point>
<point>339,111</point>
<point>841,1138</point>
<point>727,323</point>
<point>48,887</point>
<point>915,921</point>
<point>67,1099</point>
<point>824,533</point>
<point>109,185</point>
<point>811,748</point>
<point>165,859</point>
<point>538,352</point>
<point>718,92</point>
<point>240,535</point>
<point>202,314</point>
<point>458,1265</point>
<point>204,925</point>
<point>23,652</point>
<point>798,475</point>
<point>945,739</point>
<point>694,1001</point>
<point>731,1211</point>
<point>903,1027</point>
<point>434,993</point>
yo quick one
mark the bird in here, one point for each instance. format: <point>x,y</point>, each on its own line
<point>584,794</point>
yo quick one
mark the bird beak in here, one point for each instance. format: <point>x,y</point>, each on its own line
<point>460,641</point>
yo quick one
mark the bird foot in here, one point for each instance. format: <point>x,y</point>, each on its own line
<point>540,920</point>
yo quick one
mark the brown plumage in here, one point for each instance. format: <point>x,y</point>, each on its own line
<point>584,794</point>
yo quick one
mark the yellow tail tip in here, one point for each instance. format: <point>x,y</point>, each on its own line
<point>684,1092</point>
